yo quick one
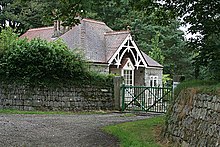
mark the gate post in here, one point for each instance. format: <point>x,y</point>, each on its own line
<point>117,84</point>
<point>123,97</point>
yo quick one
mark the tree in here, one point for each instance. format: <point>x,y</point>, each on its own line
<point>204,18</point>
<point>156,52</point>
<point>5,14</point>
<point>24,14</point>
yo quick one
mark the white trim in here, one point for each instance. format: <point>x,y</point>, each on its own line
<point>128,65</point>
<point>154,80</point>
<point>118,58</point>
<point>132,74</point>
<point>130,68</point>
<point>153,67</point>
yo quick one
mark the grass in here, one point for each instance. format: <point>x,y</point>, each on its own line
<point>143,133</point>
<point>12,111</point>
<point>203,86</point>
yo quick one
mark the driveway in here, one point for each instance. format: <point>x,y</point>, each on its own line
<point>60,130</point>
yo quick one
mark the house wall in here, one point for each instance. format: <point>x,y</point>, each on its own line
<point>139,77</point>
<point>101,68</point>
<point>142,75</point>
<point>115,71</point>
<point>153,72</point>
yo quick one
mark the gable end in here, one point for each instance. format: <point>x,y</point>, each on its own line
<point>128,46</point>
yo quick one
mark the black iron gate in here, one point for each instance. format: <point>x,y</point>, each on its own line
<point>149,99</point>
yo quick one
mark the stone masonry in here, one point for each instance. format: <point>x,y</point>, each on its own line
<point>194,119</point>
<point>47,98</point>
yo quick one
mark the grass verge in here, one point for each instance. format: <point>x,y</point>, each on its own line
<point>143,133</point>
<point>12,111</point>
<point>209,87</point>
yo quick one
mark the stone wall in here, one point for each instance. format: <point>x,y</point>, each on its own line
<point>194,119</point>
<point>47,98</point>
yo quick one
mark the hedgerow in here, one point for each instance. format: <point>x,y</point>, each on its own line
<point>42,61</point>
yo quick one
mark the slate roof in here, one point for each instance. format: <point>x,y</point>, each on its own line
<point>89,36</point>
<point>95,38</point>
<point>150,62</point>
<point>113,41</point>
<point>43,33</point>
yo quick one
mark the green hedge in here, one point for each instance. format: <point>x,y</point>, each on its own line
<point>39,61</point>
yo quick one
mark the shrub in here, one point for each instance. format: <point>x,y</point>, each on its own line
<point>39,60</point>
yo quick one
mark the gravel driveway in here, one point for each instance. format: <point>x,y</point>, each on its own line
<point>60,130</point>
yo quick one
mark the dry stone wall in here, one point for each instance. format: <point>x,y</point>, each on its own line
<point>194,120</point>
<point>70,98</point>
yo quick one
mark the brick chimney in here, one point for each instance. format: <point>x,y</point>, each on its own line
<point>59,29</point>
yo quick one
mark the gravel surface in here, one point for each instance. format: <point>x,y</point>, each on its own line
<point>60,130</point>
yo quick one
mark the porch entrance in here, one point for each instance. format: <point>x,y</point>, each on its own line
<point>148,99</point>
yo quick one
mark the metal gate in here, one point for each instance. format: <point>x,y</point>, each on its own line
<point>149,99</point>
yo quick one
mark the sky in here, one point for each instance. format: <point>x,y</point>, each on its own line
<point>188,35</point>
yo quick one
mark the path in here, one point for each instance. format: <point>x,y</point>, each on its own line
<point>60,130</point>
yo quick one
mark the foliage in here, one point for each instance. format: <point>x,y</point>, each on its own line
<point>204,18</point>
<point>203,85</point>
<point>39,60</point>
<point>156,52</point>
<point>166,80</point>
<point>7,37</point>
<point>24,14</point>
<point>139,133</point>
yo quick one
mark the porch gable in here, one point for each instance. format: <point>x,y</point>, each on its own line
<point>128,46</point>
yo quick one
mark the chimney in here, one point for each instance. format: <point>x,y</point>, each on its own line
<point>59,29</point>
<point>56,29</point>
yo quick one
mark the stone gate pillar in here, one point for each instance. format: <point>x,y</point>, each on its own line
<point>117,83</point>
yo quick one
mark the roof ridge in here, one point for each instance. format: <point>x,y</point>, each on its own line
<point>93,21</point>
<point>117,32</point>
<point>41,28</point>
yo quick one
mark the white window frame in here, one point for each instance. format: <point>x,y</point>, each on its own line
<point>154,82</point>
<point>127,72</point>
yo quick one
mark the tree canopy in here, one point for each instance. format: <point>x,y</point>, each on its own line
<point>204,18</point>
<point>24,14</point>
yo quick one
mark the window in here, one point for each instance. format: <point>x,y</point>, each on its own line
<point>154,81</point>
<point>128,73</point>
<point>128,77</point>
